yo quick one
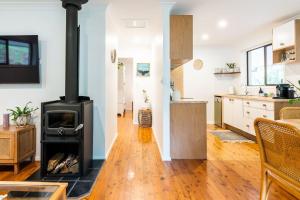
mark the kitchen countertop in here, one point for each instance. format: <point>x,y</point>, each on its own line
<point>252,97</point>
<point>189,101</point>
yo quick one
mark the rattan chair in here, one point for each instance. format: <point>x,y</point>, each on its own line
<point>279,145</point>
<point>290,113</point>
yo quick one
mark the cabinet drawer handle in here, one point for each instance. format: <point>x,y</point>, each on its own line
<point>264,105</point>
<point>265,116</point>
<point>281,44</point>
<point>248,112</point>
<point>247,126</point>
<point>248,103</point>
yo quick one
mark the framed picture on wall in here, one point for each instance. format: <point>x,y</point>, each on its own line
<point>143,69</point>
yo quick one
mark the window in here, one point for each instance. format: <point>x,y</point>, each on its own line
<point>2,51</point>
<point>261,70</point>
<point>15,53</point>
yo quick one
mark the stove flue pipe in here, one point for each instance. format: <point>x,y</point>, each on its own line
<point>72,72</point>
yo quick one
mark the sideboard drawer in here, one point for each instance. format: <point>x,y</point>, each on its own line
<point>259,104</point>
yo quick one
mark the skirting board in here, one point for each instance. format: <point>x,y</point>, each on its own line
<point>164,158</point>
<point>111,145</point>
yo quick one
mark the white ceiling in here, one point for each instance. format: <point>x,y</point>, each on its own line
<point>148,10</point>
<point>244,17</point>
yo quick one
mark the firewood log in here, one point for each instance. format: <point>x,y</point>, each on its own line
<point>54,161</point>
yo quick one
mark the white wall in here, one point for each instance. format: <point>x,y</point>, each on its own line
<point>111,82</point>
<point>157,91</point>
<point>21,19</point>
<point>48,21</point>
<point>204,84</point>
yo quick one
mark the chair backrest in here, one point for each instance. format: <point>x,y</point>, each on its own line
<point>290,113</point>
<point>279,145</point>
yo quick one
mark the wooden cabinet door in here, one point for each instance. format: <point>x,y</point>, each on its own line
<point>227,109</point>
<point>7,146</point>
<point>181,39</point>
<point>284,35</point>
<point>26,143</point>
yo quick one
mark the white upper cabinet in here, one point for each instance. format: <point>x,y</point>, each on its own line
<point>284,35</point>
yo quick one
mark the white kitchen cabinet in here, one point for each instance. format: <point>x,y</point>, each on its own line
<point>284,35</point>
<point>233,112</point>
<point>286,42</point>
<point>227,110</point>
<point>241,112</point>
<point>237,113</point>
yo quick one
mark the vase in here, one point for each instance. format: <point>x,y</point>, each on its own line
<point>5,121</point>
<point>23,120</point>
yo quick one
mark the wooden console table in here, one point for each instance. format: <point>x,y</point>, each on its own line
<point>16,145</point>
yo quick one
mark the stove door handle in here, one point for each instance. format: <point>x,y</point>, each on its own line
<point>80,126</point>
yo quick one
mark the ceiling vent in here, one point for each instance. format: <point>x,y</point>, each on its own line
<point>135,23</point>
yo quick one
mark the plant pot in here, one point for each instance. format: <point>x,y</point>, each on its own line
<point>23,120</point>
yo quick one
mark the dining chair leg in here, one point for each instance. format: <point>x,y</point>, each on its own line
<point>265,185</point>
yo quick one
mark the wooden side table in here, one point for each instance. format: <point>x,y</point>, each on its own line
<point>16,145</point>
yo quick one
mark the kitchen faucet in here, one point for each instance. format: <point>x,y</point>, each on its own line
<point>246,91</point>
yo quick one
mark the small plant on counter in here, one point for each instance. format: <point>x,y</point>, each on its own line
<point>22,116</point>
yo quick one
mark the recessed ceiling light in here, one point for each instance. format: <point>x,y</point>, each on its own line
<point>222,23</point>
<point>205,37</point>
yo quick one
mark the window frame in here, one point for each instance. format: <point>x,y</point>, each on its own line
<point>265,65</point>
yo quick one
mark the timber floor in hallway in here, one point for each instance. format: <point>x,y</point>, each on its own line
<point>134,171</point>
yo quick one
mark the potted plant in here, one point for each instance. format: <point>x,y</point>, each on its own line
<point>231,66</point>
<point>22,116</point>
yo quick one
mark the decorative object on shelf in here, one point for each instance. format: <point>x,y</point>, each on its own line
<point>113,55</point>
<point>143,69</point>
<point>145,118</point>
<point>231,66</point>
<point>218,70</point>
<point>6,121</point>
<point>198,64</point>
<point>22,116</point>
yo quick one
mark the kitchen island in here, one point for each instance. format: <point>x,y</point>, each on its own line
<point>188,129</point>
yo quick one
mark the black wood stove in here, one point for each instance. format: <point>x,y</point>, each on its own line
<point>67,124</point>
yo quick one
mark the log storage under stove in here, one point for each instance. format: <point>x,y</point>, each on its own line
<point>67,124</point>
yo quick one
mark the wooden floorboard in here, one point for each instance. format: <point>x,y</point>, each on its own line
<point>134,171</point>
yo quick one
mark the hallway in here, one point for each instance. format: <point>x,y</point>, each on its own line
<point>134,171</point>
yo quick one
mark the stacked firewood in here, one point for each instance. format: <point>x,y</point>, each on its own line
<point>61,163</point>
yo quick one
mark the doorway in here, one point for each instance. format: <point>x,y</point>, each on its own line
<point>125,86</point>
